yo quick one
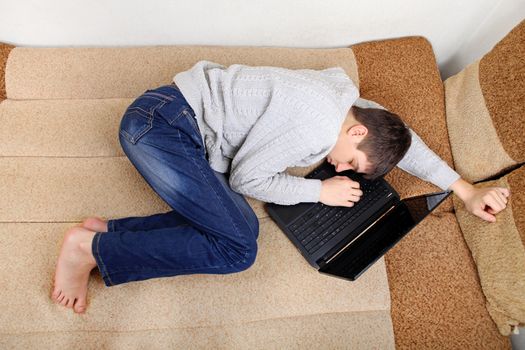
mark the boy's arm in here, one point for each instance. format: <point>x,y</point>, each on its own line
<point>422,162</point>
<point>258,167</point>
<point>482,202</point>
<point>425,164</point>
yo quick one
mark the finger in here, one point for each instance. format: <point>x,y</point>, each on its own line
<point>500,194</point>
<point>347,204</point>
<point>504,191</point>
<point>488,200</point>
<point>491,211</point>
<point>503,196</point>
<point>498,201</point>
<point>354,198</point>
<point>353,184</point>
<point>355,192</point>
<point>346,179</point>
<point>485,216</point>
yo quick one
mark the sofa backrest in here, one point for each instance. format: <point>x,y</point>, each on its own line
<point>486,120</point>
<point>400,74</point>
<point>486,110</point>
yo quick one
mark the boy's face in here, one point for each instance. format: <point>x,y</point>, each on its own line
<point>345,155</point>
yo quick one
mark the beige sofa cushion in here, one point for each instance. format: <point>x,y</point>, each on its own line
<point>486,110</point>
<point>499,252</point>
<point>60,162</point>
<point>128,72</point>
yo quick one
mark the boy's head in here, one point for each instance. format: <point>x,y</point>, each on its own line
<point>371,141</point>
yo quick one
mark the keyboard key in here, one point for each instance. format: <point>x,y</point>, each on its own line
<point>321,224</point>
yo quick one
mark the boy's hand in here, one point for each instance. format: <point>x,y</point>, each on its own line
<point>482,202</point>
<point>340,191</point>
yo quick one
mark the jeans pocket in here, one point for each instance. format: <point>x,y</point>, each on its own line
<point>138,118</point>
<point>134,124</point>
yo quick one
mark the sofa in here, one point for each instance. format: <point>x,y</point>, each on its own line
<point>61,162</point>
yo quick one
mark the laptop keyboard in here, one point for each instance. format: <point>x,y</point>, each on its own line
<point>322,223</point>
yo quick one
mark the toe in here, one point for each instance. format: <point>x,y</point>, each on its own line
<point>88,222</point>
<point>80,306</point>
<point>80,309</point>
<point>70,302</point>
<point>55,294</point>
<point>60,297</point>
<point>64,301</point>
<point>95,224</point>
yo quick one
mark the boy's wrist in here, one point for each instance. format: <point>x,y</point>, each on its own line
<point>462,189</point>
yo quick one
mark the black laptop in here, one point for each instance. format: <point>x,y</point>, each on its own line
<point>346,241</point>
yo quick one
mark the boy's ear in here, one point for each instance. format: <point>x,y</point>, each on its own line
<point>358,132</point>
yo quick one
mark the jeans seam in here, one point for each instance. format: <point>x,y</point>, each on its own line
<point>193,121</point>
<point>140,134</point>
<point>177,117</point>
<point>150,112</point>
<point>184,112</point>
<point>196,127</point>
<point>120,272</point>
<point>220,200</point>
<point>246,220</point>
<point>126,134</point>
<point>170,86</point>
<point>101,266</point>
<point>170,270</point>
<point>112,225</point>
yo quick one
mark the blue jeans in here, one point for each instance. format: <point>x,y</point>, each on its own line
<point>211,229</point>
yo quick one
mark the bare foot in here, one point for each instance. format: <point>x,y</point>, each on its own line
<point>73,267</point>
<point>95,224</point>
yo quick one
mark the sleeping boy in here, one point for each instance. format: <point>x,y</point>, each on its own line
<point>220,133</point>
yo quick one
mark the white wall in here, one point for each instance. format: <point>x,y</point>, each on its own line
<point>459,31</point>
<point>504,15</point>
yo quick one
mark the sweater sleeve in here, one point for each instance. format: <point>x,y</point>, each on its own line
<point>422,162</point>
<point>258,167</point>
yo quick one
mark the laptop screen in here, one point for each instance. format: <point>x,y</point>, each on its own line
<point>382,236</point>
<point>421,206</point>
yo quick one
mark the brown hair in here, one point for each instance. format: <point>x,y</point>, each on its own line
<point>387,141</point>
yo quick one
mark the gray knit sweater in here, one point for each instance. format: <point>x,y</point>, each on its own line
<point>257,121</point>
